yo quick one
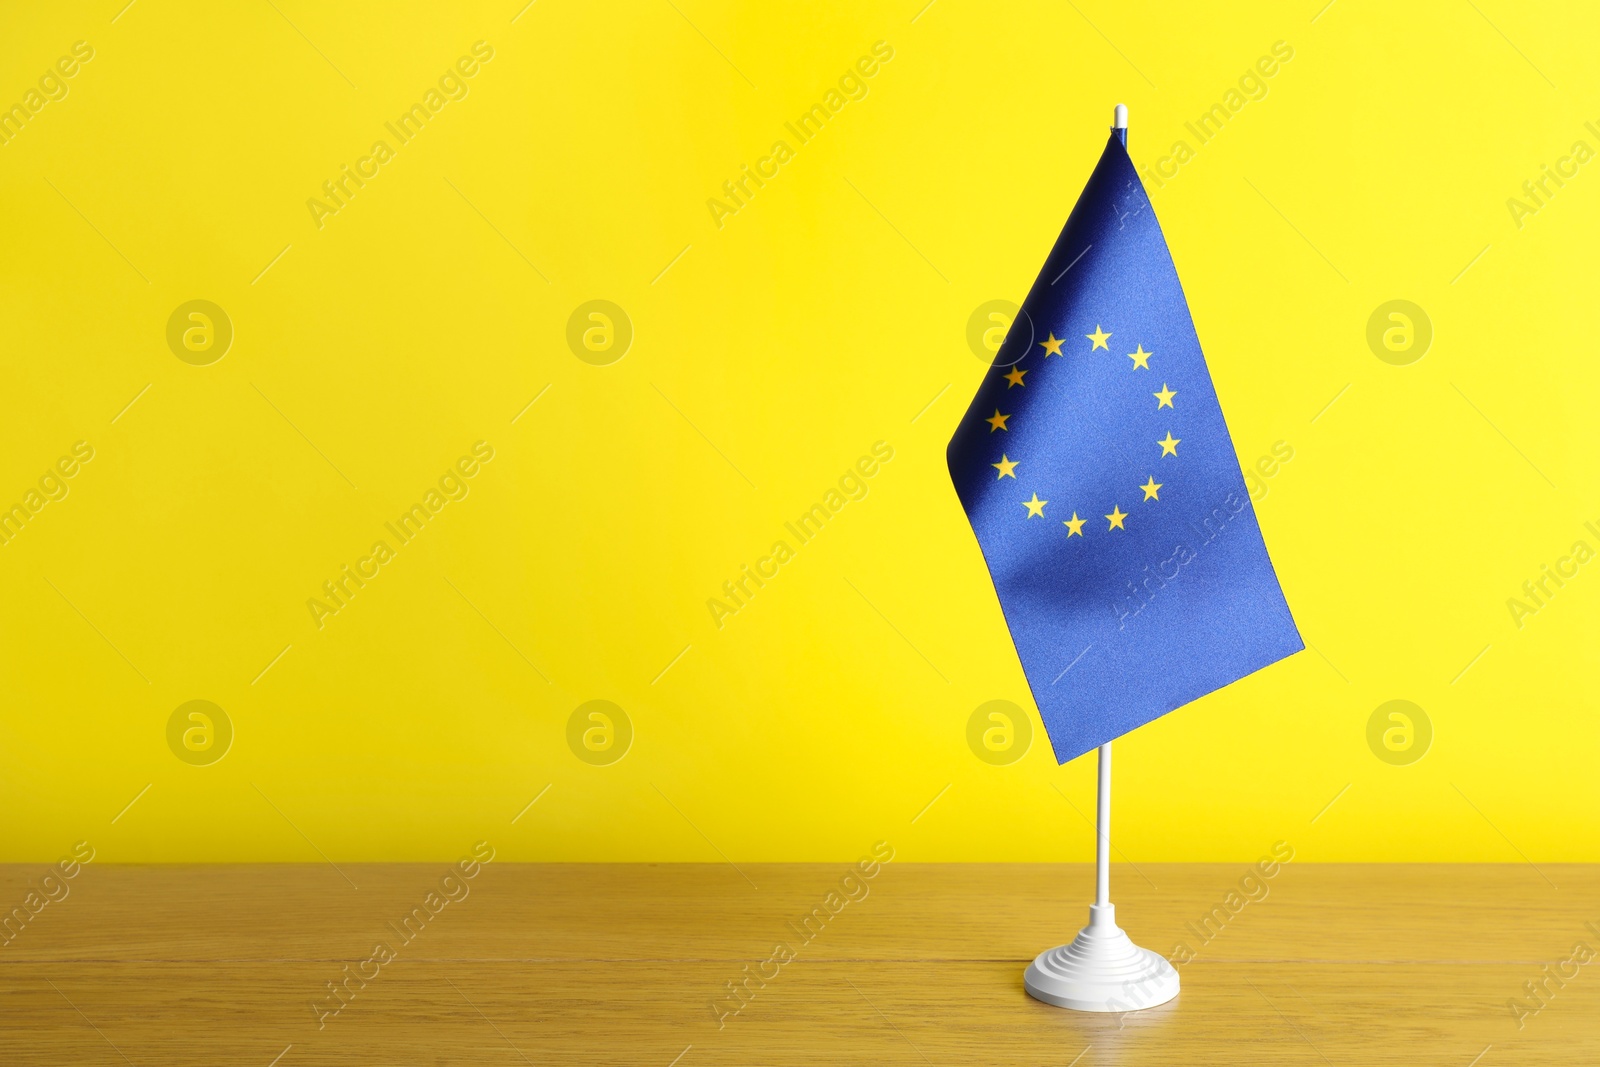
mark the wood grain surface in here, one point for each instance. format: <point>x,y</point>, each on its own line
<point>920,964</point>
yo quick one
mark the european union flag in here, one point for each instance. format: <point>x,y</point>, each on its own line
<point>1097,472</point>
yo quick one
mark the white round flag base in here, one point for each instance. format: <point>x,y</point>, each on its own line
<point>1102,970</point>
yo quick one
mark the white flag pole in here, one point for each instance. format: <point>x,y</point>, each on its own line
<point>1102,970</point>
<point>1102,817</point>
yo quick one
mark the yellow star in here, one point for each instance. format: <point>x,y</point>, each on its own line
<point>1141,358</point>
<point>1150,488</point>
<point>1015,377</point>
<point>998,422</point>
<point>1008,467</point>
<point>1169,447</point>
<point>1116,517</point>
<point>1164,398</point>
<point>1051,347</point>
<point>1035,506</point>
<point>1074,526</point>
<point>1099,338</point>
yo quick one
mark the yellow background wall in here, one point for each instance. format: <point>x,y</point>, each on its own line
<point>768,353</point>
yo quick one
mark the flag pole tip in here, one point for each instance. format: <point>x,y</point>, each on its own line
<point>1120,121</point>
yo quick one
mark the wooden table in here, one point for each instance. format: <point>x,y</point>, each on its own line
<point>629,964</point>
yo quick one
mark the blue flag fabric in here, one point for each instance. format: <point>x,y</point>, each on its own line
<point>1097,472</point>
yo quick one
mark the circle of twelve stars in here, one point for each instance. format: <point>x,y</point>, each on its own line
<point>1008,467</point>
